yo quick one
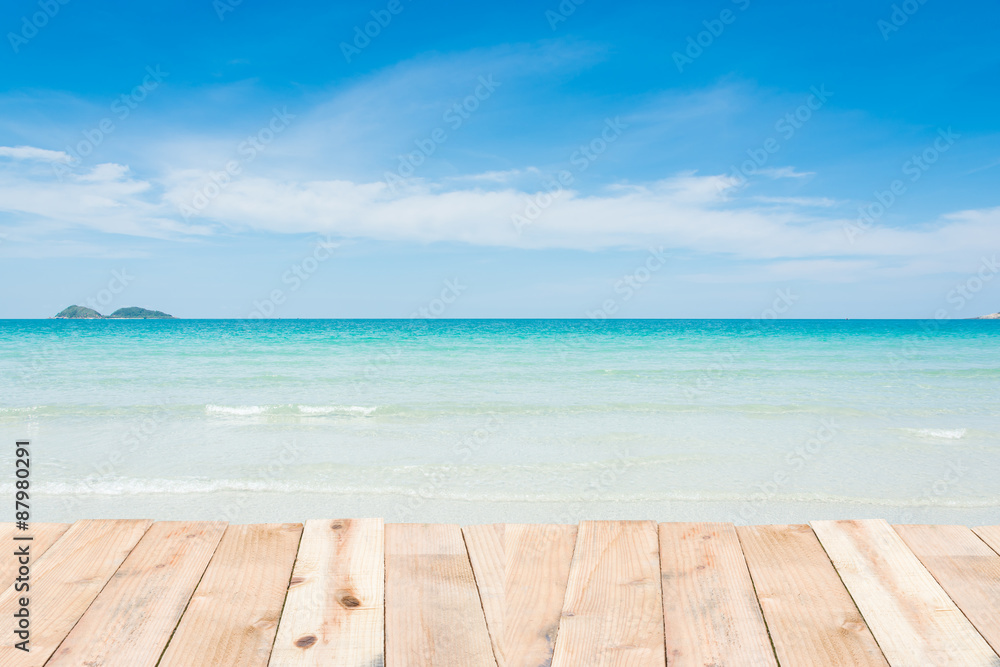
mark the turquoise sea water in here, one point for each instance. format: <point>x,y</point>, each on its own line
<point>507,420</point>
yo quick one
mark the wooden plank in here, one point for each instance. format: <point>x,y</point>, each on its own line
<point>334,610</point>
<point>990,535</point>
<point>131,620</point>
<point>487,555</point>
<point>913,619</point>
<point>74,570</point>
<point>233,614</point>
<point>810,615</point>
<point>967,569</point>
<point>433,615</point>
<point>43,536</point>
<point>710,611</point>
<point>613,614</point>
<point>521,571</point>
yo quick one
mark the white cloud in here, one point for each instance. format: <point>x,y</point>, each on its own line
<point>702,214</point>
<point>105,173</point>
<point>821,202</point>
<point>32,153</point>
<point>104,199</point>
<point>784,172</point>
<point>506,176</point>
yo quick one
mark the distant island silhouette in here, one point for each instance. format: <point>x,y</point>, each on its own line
<point>130,313</point>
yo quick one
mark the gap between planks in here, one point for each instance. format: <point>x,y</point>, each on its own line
<point>511,587</point>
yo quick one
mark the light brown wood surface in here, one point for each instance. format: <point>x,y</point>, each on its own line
<point>810,615</point>
<point>990,535</point>
<point>710,611</point>
<point>967,569</point>
<point>74,570</point>
<point>132,619</point>
<point>913,619</point>
<point>521,571</point>
<point>334,611</point>
<point>233,614</point>
<point>608,593</point>
<point>43,536</point>
<point>612,614</point>
<point>433,615</point>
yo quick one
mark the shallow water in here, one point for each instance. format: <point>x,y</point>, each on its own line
<point>507,420</point>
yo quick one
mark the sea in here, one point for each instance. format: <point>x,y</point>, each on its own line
<point>480,421</point>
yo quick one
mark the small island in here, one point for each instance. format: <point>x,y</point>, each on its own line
<point>994,316</point>
<point>130,313</point>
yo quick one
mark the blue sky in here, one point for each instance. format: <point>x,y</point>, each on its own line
<point>627,159</point>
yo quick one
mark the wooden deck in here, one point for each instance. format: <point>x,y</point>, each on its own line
<point>357,593</point>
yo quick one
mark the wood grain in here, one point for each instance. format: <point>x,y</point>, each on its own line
<point>990,535</point>
<point>810,615</point>
<point>609,593</point>
<point>334,612</point>
<point>710,611</point>
<point>612,614</point>
<point>132,619</point>
<point>433,615</point>
<point>43,536</point>
<point>967,569</point>
<point>913,619</point>
<point>233,614</point>
<point>521,571</point>
<point>74,570</point>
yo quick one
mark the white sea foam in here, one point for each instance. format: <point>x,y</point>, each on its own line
<point>362,410</point>
<point>127,487</point>
<point>290,410</point>
<point>241,410</point>
<point>946,433</point>
<point>140,487</point>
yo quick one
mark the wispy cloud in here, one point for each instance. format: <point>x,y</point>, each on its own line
<point>820,202</point>
<point>784,172</point>
<point>105,198</point>
<point>497,176</point>
<point>702,214</point>
<point>988,165</point>
<point>32,153</point>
